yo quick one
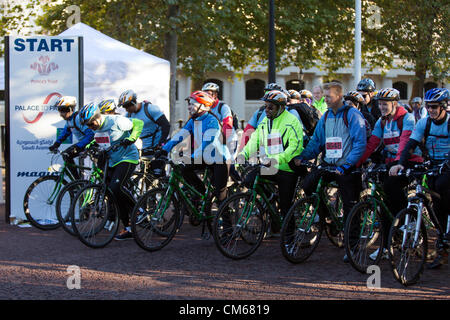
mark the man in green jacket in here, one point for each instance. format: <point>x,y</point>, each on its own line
<point>319,99</point>
<point>278,138</point>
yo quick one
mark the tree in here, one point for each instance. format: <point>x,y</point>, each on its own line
<point>415,32</point>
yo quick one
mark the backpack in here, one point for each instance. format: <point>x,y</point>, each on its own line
<point>233,114</point>
<point>309,116</point>
<point>347,107</point>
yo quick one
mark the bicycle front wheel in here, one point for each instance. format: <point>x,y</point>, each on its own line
<point>94,215</point>
<point>407,248</point>
<point>39,202</point>
<point>239,226</point>
<point>364,235</point>
<point>63,202</point>
<point>155,219</point>
<point>301,231</point>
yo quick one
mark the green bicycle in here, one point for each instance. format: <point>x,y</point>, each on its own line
<point>308,217</point>
<point>243,218</point>
<point>159,213</point>
<point>40,198</point>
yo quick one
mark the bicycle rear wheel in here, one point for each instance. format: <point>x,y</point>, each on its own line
<point>301,231</point>
<point>364,235</point>
<point>238,227</point>
<point>39,202</point>
<point>407,257</point>
<point>94,215</point>
<point>63,202</point>
<point>155,219</point>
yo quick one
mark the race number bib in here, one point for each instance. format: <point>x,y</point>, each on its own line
<point>333,147</point>
<point>391,140</point>
<point>274,143</point>
<point>102,139</point>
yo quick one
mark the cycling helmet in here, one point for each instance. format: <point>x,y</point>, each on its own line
<point>294,94</point>
<point>276,97</point>
<point>306,94</point>
<point>88,112</point>
<point>437,95</point>
<point>388,94</point>
<point>66,102</point>
<point>202,98</point>
<point>417,100</point>
<point>210,86</point>
<point>126,97</point>
<point>107,106</point>
<point>273,86</point>
<point>355,97</point>
<point>366,85</point>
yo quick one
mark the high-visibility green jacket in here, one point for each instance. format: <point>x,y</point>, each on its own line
<point>280,139</point>
<point>321,105</point>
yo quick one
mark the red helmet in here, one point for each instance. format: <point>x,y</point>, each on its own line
<point>202,98</point>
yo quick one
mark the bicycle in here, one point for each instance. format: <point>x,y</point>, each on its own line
<point>408,241</point>
<point>308,217</point>
<point>158,214</point>
<point>243,218</point>
<point>94,211</point>
<point>40,197</point>
<point>365,227</point>
<point>67,194</point>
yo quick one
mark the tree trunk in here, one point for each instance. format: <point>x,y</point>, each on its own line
<point>170,54</point>
<point>418,83</point>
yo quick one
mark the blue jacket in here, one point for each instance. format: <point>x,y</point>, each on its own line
<point>73,126</point>
<point>353,137</point>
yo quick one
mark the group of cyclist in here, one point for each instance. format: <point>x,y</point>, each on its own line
<point>358,125</point>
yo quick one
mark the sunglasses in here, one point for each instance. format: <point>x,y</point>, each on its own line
<point>64,110</point>
<point>127,105</point>
<point>433,106</point>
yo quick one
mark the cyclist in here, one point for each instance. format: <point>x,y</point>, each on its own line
<point>259,115</point>
<point>355,99</point>
<point>418,110</point>
<point>156,126</point>
<point>112,130</point>
<point>107,107</point>
<point>224,114</point>
<point>341,135</point>
<point>366,87</point>
<point>209,150</point>
<point>392,132</point>
<point>278,138</point>
<point>66,106</point>
<point>319,99</point>
<point>434,129</point>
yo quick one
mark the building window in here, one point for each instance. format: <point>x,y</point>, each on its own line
<point>219,83</point>
<point>254,89</point>
<point>428,86</point>
<point>176,90</point>
<point>2,95</point>
<point>402,87</point>
<point>295,85</point>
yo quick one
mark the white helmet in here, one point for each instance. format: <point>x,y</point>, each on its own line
<point>210,86</point>
<point>126,97</point>
<point>65,102</point>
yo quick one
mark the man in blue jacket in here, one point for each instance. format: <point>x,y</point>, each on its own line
<point>66,108</point>
<point>340,135</point>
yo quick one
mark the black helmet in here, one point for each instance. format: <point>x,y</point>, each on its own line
<point>366,85</point>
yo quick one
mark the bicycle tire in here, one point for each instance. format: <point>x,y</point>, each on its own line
<point>95,216</point>
<point>363,235</point>
<point>154,223</point>
<point>237,239</point>
<point>400,255</point>
<point>63,209</point>
<point>300,235</point>
<point>38,211</point>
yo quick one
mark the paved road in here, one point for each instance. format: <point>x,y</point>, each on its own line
<point>33,265</point>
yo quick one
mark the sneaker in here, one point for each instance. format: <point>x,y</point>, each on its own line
<point>440,260</point>
<point>124,235</point>
<point>374,255</point>
<point>346,259</point>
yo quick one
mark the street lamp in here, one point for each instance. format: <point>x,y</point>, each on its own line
<point>272,74</point>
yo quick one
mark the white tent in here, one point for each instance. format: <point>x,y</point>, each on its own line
<point>111,67</point>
